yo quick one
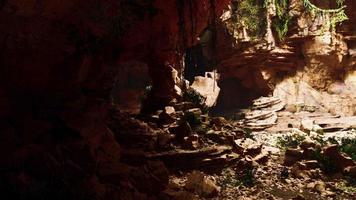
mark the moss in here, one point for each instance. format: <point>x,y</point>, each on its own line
<point>244,178</point>
<point>251,14</point>
<point>348,146</point>
<point>290,141</point>
<point>325,162</point>
<point>197,99</point>
<point>281,23</point>
<point>336,15</point>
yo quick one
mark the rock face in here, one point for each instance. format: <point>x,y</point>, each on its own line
<point>208,88</point>
<point>312,59</point>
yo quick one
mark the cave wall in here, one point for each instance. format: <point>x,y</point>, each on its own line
<point>52,50</point>
<point>308,66</point>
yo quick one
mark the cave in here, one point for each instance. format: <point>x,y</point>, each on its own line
<point>177,99</point>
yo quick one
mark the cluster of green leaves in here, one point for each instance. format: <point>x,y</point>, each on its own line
<point>336,15</point>
<point>197,99</point>
<point>251,13</point>
<point>289,141</point>
<point>192,119</point>
<point>347,146</point>
<point>245,178</point>
<point>325,163</point>
<point>248,134</point>
<point>281,23</point>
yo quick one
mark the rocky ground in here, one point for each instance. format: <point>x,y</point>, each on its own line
<point>180,152</point>
<point>272,152</point>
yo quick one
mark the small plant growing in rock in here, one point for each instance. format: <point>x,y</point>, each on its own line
<point>325,163</point>
<point>289,141</point>
<point>197,99</point>
<point>348,146</point>
<point>248,134</point>
<point>245,178</point>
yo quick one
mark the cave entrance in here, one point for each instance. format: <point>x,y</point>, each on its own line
<point>198,58</point>
<point>239,86</point>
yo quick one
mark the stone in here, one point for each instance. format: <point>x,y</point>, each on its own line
<point>311,164</point>
<point>340,160</point>
<point>195,111</point>
<point>183,106</point>
<point>350,171</point>
<point>264,102</point>
<point>208,88</point>
<point>218,121</point>
<point>181,131</point>
<point>292,156</point>
<point>298,172</point>
<point>253,150</point>
<point>261,158</point>
<point>320,186</point>
<point>169,110</point>
<point>191,142</point>
<point>164,139</point>
<point>201,184</point>
<point>307,125</point>
<point>178,195</point>
<point>308,143</point>
<point>291,108</point>
<point>165,118</point>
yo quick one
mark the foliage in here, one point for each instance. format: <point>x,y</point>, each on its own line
<point>283,18</point>
<point>196,98</point>
<point>248,133</point>
<point>289,141</point>
<point>346,145</point>
<point>192,119</point>
<point>325,163</point>
<point>350,187</point>
<point>245,178</point>
<point>336,15</point>
<point>250,13</point>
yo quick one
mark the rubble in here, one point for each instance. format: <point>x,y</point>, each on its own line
<point>201,184</point>
<point>263,113</point>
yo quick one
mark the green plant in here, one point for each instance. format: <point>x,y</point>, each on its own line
<point>248,133</point>
<point>325,163</point>
<point>192,119</point>
<point>289,141</point>
<point>197,99</point>
<point>283,18</point>
<point>245,178</point>
<point>250,13</point>
<point>348,146</point>
<point>336,16</point>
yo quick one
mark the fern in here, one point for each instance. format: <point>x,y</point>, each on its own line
<point>283,18</point>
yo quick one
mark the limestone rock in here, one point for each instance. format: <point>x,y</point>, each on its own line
<point>181,131</point>
<point>201,184</point>
<point>208,88</point>
<point>339,159</point>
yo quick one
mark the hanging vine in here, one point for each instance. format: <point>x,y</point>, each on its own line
<point>281,23</point>
<point>336,15</point>
<point>250,14</point>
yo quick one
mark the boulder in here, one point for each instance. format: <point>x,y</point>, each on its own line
<point>169,110</point>
<point>202,185</point>
<point>181,131</point>
<point>340,160</point>
<point>351,171</point>
<point>292,156</point>
<point>208,88</point>
<point>306,125</point>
